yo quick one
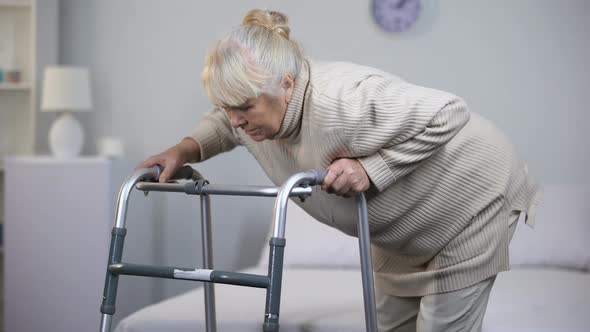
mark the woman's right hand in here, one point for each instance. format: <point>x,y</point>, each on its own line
<point>173,158</point>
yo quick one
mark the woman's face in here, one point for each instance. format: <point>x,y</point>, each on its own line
<point>261,117</point>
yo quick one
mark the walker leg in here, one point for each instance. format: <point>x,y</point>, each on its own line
<point>366,264</point>
<point>105,323</point>
<point>273,292</point>
<point>277,245</point>
<point>111,281</point>
<point>210,319</point>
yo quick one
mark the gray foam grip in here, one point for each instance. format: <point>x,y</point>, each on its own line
<point>320,174</point>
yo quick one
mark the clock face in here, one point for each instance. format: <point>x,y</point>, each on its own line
<point>396,15</point>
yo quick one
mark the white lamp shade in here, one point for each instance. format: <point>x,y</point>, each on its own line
<point>66,89</point>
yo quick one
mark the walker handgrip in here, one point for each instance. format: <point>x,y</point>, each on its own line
<point>184,173</point>
<point>319,174</point>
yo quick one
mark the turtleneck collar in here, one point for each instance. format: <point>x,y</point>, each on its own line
<point>292,118</point>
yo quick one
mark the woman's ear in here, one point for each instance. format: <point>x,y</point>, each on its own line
<point>288,87</point>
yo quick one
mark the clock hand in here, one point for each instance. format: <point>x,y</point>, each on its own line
<point>400,4</point>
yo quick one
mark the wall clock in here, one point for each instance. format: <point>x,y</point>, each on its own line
<point>396,15</point>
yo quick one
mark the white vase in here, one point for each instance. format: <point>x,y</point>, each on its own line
<point>66,137</point>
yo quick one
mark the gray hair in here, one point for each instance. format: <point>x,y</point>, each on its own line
<point>251,60</point>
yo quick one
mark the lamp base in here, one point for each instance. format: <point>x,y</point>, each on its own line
<point>66,137</point>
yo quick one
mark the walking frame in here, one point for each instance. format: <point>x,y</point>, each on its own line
<point>298,185</point>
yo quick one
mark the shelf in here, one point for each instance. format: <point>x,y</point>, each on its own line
<point>23,86</point>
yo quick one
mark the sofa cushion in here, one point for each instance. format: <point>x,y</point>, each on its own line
<point>561,234</point>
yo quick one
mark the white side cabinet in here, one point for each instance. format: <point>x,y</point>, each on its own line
<point>59,216</point>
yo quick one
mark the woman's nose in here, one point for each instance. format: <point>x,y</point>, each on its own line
<point>235,119</point>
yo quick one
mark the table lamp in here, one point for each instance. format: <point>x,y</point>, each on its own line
<point>66,90</point>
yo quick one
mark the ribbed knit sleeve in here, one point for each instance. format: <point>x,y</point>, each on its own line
<point>401,125</point>
<point>214,134</point>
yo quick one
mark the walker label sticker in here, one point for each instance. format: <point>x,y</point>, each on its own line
<point>198,274</point>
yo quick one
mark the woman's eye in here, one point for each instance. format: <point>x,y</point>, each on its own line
<point>238,108</point>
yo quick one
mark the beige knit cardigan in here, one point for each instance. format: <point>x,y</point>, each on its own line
<point>444,180</point>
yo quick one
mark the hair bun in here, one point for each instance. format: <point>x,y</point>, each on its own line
<point>271,20</point>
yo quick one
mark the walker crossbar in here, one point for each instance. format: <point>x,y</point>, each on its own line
<point>297,185</point>
<point>191,188</point>
<point>169,272</point>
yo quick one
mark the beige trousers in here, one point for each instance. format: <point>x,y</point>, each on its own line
<point>460,310</point>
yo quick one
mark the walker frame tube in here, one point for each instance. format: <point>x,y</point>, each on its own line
<point>210,320</point>
<point>366,264</point>
<point>277,247</point>
<point>116,248</point>
<point>277,244</point>
<point>297,185</point>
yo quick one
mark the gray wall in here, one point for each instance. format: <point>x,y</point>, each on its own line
<point>524,64</point>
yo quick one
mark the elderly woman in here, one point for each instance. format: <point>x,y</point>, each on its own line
<point>444,186</point>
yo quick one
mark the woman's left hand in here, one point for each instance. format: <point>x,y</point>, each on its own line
<point>346,177</point>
